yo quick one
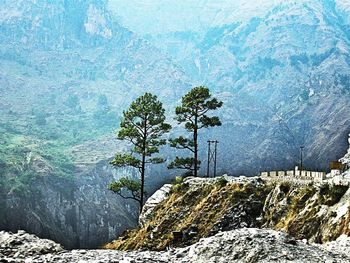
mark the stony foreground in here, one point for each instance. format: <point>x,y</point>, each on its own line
<point>242,245</point>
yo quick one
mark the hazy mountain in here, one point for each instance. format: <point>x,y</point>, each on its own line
<point>69,68</point>
<point>282,68</point>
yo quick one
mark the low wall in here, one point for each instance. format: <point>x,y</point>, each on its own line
<point>297,174</point>
<point>305,177</point>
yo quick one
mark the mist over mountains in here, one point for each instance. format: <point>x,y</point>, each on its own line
<point>69,69</point>
<point>281,67</point>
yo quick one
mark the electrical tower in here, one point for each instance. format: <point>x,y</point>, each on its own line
<point>212,153</point>
<point>301,157</point>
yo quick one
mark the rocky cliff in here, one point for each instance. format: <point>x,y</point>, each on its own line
<point>201,207</point>
<point>198,208</point>
<point>78,212</point>
<point>218,220</point>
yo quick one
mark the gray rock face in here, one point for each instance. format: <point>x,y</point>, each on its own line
<point>79,213</point>
<point>152,202</point>
<point>256,245</point>
<point>242,245</point>
<point>22,245</point>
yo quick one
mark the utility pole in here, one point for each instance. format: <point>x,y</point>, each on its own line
<point>301,157</point>
<point>212,156</point>
<point>209,155</point>
<point>216,149</point>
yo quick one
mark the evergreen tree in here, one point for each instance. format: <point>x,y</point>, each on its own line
<point>143,125</point>
<point>193,113</point>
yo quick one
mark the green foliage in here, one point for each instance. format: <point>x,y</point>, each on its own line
<point>125,184</point>
<point>192,113</point>
<point>194,108</point>
<point>122,160</point>
<point>221,182</point>
<point>178,180</point>
<point>143,125</point>
<point>185,163</point>
<point>51,139</point>
<point>177,185</point>
<point>332,194</point>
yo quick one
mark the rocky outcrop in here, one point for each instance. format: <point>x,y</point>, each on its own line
<point>196,208</point>
<point>241,245</point>
<point>22,245</point>
<point>256,245</point>
<point>152,202</point>
<point>203,207</point>
<point>316,213</point>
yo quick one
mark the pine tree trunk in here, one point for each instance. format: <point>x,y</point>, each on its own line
<point>142,181</point>
<point>143,164</point>
<point>195,136</point>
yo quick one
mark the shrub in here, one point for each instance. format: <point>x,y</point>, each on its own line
<point>336,192</point>
<point>178,180</point>
<point>285,187</point>
<point>221,182</point>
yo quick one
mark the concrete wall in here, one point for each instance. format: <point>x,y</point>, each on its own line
<point>297,174</point>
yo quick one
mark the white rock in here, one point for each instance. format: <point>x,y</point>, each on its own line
<point>153,201</point>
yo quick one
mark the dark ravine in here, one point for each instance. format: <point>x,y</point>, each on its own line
<point>78,212</point>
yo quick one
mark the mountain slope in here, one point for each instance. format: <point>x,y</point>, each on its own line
<point>68,69</point>
<point>284,77</point>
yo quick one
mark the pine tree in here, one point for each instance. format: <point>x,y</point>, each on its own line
<point>193,113</point>
<point>143,125</point>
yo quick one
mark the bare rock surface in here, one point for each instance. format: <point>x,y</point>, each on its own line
<point>257,245</point>
<point>22,245</point>
<point>153,201</point>
<point>241,245</point>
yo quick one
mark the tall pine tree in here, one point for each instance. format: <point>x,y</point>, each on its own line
<point>143,125</point>
<point>193,114</point>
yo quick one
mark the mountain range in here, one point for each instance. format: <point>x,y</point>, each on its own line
<point>69,69</point>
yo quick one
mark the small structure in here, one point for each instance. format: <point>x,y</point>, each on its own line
<point>296,174</point>
<point>336,168</point>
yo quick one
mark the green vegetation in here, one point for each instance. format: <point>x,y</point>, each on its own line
<point>331,195</point>
<point>132,186</point>
<point>302,210</point>
<point>39,142</point>
<point>193,114</point>
<point>178,185</point>
<point>221,182</point>
<point>143,125</point>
